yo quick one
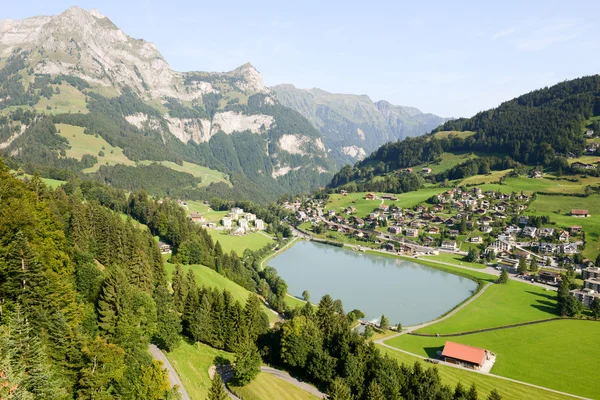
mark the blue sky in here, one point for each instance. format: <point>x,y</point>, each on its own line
<point>449,58</point>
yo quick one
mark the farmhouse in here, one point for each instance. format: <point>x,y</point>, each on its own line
<point>535,174</point>
<point>389,197</point>
<point>371,196</point>
<point>580,165</point>
<point>579,213</point>
<point>426,170</point>
<point>465,356</point>
<point>575,229</point>
<point>196,217</point>
<point>165,248</point>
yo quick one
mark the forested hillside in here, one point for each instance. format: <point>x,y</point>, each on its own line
<point>539,128</point>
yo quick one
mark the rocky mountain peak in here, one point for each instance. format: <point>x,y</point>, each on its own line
<point>253,78</point>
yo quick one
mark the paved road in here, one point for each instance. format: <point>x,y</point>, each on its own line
<point>288,378</point>
<point>157,354</point>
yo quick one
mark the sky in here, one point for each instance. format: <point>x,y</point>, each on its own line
<point>452,59</point>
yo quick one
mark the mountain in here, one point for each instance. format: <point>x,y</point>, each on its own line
<point>79,69</point>
<point>353,126</point>
<point>541,128</point>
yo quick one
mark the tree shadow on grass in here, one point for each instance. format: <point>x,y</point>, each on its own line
<point>546,306</point>
<point>544,295</point>
<point>432,352</point>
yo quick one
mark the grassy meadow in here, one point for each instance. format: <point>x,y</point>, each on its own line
<point>485,383</point>
<point>269,387</point>
<point>205,210</point>
<point>447,161</point>
<point>252,241</point>
<point>69,100</point>
<point>556,354</point>
<point>207,175</point>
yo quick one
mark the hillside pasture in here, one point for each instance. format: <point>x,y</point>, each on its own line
<point>206,174</point>
<point>204,209</point>
<point>447,161</point>
<point>269,387</point>
<point>555,354</point>
<point>69,100</point>
<point>492,177</point>
<point>445,134</point>
<point>252,241</point>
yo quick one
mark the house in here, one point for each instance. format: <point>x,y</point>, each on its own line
<point>579,213</point>
<point>350,210</point>
<point>410,170</point>
<point>433,230</point>
<point>396,230</point>
<point>405,249</point>
<point>529,231</point>
<point>301,215</point>
<point>388,247</point>
<point>589,133</point>
<point>243,223</point>
<point>547,248</point>
<point>585,296</point>
<point>476,239</point>
<point>259,224</point>
<point>196,217</point>
<point>384,207</point>
<point>575,229</point>
<point>523,220</point>
<point>535,174</point>
<point>449,245</point>
<point>426,170</point>
<point>549,278</point>
<point>465,356</point>
<point>411,232</point>
<point>591,148</point>
<point>359,222</point>
<point>389,197</point>
<point>237,211</point>
<point>239,231</point>
<point>344,192</point>
<point>370,196</point>
<point>453,232</point>
<point>546,232</point>
<point>165,248</point>
<point>211,225</point>
<point>227,222</point>
<point>563,236</point>
<point>428,240</point>
<point>486,229</point>
<point>512,229</point>
<point>499,246</point>
<point>486,220</point>
<point>331,213</point>
<point>580,165</point>
<point>568,248</point>
<point>359,234</point>
<point>437,208</point>
<point>250,217</point>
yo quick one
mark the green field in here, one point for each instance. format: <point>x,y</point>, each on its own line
<point>453,259</point>
<point>547,184</point>
<point>252,241</point>
<point>485,383</point>
<point>192,361</point>
<point>445,134</point>
<point>500,305</point>
<point>363,207</point>
<point>269,387</point>
<point>207,175</point>
<point>492,177</point>
<point>51,183</point>
<point>557,354</point>
<point>447,161</point>
<point>90,144</point>
<point>69,100</point>
<point>211,278</point>
<point>559,207</point>
<point>211,216</point>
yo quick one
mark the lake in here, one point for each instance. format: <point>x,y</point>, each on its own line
<point>402,290</point>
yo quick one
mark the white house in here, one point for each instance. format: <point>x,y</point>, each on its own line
<point>237,210</point>
<point>243,223</point>
<point>449,245</point>
<point>259,224</point>
<point>226,222</point>
<point>529,231</point>
<point>546,232</point>
<point>250,217</point>
<point>411,232</point>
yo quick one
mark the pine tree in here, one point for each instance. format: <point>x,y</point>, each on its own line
<point>384,322</point>
<point>114,301</point>
<point>255,321</point>
<point>522,267</point>
<point>494,395</point>
<point>247,364</point>
<point>217,389</point>
<point>179,288</point>
<point>533,267</point>
<point>339,390</point>
<point>104,368</point>
<point>472,394</point>
<point>374,392</point>
<point>168,321</point>
<point>595,308</point>
<point>503,277</point>
<point>459,392</point>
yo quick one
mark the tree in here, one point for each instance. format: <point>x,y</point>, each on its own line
<point>399,327</point>
<point>494,395</point>
<point>168,321</point>
<point>463,225</point>
<point>306,295</point>
<point>338,390</point>
<point>154,383</point>
<point>384,322</point>
<point>179,288</point>
<point>247,364</point>
<point>533,267</point>
<point>503,277</point>
<point>217,389</point>
<point>459,392</point>
<point>471,256</point>
<point>355,314</point>
<point>104,368</point>
<point>368,332</point>
<point>472,394</point>
<point>522,267</point>
<point>595,307</point>
<point>375,392</point>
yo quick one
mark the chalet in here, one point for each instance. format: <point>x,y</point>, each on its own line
<point>437,220</point>
<point>374,215</point>
<point>238,231</point>
<point>523,220</point>
<point>396,230</point>
<point>359,234</point>
<point>370,196</point>
<point>411,232</point>
<point>344,192</point>
<point>389,197</point>
<point>575,229</point>
<point>359,222</point>
<point>568,248</point>
<point>428,240</point>
<point>535,174</point>
<point>486,220</point>
<point>389,247</point>
<point>476,191</point>
<point>589,133</point>
<point>459,205</point>
<point>211,225</point>
<point>465,356</point>
<point>512,229</point>
<point>549,278</point>
<point>585,296</point>
<point>509,264</point>
<point>453,232</point>
<point>450,222</point>
<point>579,213</point>
<point>523,197</point>
<point>165,248</point>
<point>301,215</point>
<point>481,211</point>
<point>499,246</point>
<point>416,224</point>
<point>350,210</point>
<point>426,170</point>
<point>529,231</point>
<point>433,230</point>
<point>486,229</point>
<point>384,207</point>
<point>405,249</point>
<point>331,213</point>
<point>196,217</point>
<point>410,170</point>
<point>563,236</point>
<point>546,232</point>
<point>499,207</point>
<point>476,239</point>
<point>421,209</point>
<point>523,254</point>
<point>437,208</point>
<point>547,248</point>
<point>591,148</point>
<point>449,245</point>
<point>580,165</point>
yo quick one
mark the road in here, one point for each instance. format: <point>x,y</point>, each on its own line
<point>157,354</point>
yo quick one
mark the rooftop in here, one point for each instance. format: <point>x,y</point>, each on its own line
<point>463,352</point>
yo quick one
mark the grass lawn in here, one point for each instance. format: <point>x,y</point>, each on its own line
<point>293,301</point>
<point>555,354</point>
<point>546,184</point>
<point>211,278</point>
<point>492,177</point>
<point>207,175</point>
<point>51,183</point>
<point>445,134</point>
<point>448,160</point>
<point>90,144</point>
<point>69,100</point>
<point>252,241</point>
<point>269,387</point>
<point>485,383</point>
<point>559,207</point>
<point>209,214</point>
<point>192,361</point>
<point>454,259</point>
<point>500,305</point>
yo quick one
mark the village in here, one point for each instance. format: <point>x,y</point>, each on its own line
<point>482,226</point>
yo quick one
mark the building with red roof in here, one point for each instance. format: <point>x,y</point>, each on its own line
<point>463,355</point>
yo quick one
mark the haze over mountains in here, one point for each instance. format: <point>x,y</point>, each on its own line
<point>123,90</point>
